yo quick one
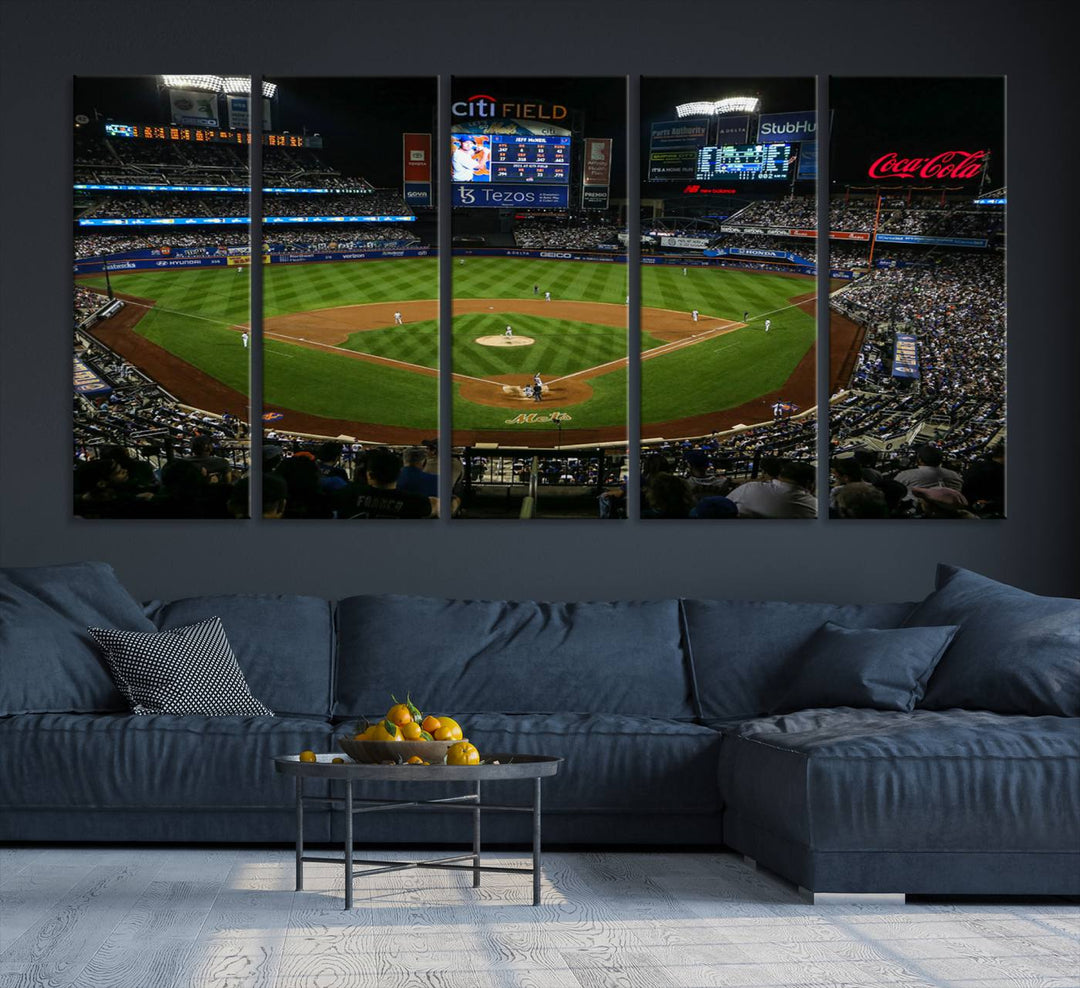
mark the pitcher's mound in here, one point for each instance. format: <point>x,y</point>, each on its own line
<point>505,340</point>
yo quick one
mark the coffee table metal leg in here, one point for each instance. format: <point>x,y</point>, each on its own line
<point>299,833</point>
<point>536,841</point>
<point>348,844</point>
<point>476,840</point>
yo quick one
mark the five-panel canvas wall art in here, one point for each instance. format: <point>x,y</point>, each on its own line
<point>817,308</point>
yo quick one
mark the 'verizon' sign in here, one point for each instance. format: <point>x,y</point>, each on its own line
<point>947,164</point>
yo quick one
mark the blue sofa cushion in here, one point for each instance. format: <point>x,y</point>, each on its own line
<point>158,762</point>
<point>48,661</point>
<point>614,763</point>
<point>867,780</point>
<point>284,644</point>
<point>864,667</point>
<point>1015,652</point>
<point>474,656</point>
<point>741,650</point>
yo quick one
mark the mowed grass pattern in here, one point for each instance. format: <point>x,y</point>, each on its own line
<point>196,310</point>
<point>737,367</point>
<point>194,316</point>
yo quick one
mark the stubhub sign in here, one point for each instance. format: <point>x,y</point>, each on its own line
<point>787,127</point>
<point>512,196</point>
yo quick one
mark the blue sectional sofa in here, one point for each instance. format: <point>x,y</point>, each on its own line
<point>665,712</point>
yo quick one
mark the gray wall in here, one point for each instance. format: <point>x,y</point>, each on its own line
<point>45,43</point>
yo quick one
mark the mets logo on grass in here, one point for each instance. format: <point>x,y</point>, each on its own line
<point>534,418</point>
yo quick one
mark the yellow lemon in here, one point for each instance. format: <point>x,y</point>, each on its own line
<point>411,731</point>
<point>416,760</point>
<point>337,761</point>
<point>308,756</point>
<point>399,714</point>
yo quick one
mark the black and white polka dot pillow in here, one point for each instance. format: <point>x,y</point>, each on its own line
<point>190,670</point>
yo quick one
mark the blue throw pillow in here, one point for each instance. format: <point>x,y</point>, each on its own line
<point>48,662</point>
<point>883,669</point>
<point>1015,652</point>
<point>741,650</point>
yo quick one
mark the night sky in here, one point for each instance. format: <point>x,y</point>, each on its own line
<point>915,118</point>
<point>361,120</point>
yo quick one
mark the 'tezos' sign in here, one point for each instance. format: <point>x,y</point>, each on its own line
<point>947,164</point>
<point>490,108</point>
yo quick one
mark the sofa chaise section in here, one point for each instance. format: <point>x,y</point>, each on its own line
<point>931,802</point>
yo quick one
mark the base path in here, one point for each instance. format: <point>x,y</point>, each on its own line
<point>334,326</point>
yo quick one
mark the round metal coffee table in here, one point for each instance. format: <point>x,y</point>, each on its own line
<point>535,767</point>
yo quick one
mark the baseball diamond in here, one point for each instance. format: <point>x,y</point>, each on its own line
<point>336,363</point>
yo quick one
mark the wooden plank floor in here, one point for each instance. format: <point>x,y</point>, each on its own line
<point>197,918</point>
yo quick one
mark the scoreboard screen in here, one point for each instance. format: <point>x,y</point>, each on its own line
<point>206,135</point>
<point>510,159</point>
<point>544,160</point>
<point>744,162</point>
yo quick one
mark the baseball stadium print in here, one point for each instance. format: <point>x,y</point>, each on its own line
<point>350,301</point>
<point>162,340</point>
<point>917,328</point>
<point>728,299</point>
<point>539,346</point>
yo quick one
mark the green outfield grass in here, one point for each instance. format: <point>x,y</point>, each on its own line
<point>196,308</point>
<point>734,368</point>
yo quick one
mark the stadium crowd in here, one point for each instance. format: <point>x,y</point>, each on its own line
<point>194,204</point>
<point>277,240</point>
<point>923,216</point>
<point>140,454</point>
<point>578,232</point>
<point>86,303</point>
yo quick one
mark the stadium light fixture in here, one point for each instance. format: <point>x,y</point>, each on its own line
<point>236,84</point>
<point>212,83</point>
<point>711,108</point>
<point>269,89</point>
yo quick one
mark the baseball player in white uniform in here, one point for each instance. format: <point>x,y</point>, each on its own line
<point>768,323</point>
<point>694,314</point>
<point>244,339</point>
<point>509,334</point>
<point>397,319</point>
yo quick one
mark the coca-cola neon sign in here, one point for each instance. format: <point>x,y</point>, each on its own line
<point>947,164</point>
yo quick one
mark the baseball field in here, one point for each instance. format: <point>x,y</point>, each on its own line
<point>337,362</point>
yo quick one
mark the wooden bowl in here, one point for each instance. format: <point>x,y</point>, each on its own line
<point>376,752</point>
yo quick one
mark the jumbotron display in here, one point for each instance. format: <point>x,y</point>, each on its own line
<point>535,159</point>
<point>744,162</point>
